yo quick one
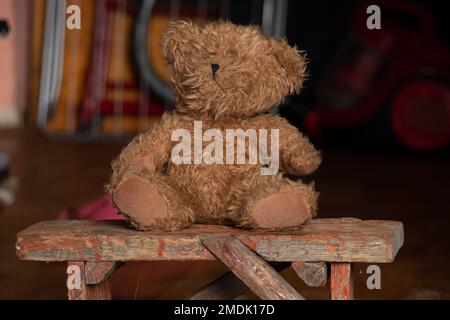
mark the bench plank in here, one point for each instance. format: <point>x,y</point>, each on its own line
<point>97,272</point>
<point>328,240</point>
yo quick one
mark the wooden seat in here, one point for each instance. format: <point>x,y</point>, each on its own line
<point>96,248</point>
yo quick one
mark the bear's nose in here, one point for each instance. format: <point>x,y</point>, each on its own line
<point>214,68</point>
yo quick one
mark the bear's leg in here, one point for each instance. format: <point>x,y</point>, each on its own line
<point>275,202</point>
<point>152,201</point>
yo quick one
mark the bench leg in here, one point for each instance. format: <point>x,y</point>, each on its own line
<point>229,286</point>
<point>256,273</point>
<point>89,280</point>
<point>314,274</point>
<point>341,281</point>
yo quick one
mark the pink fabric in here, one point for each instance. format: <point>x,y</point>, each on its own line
<point>99,209</point>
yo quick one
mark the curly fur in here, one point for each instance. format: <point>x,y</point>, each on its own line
<point>255,74</point>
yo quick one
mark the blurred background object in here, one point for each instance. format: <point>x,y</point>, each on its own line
<point>8,185</point>
<point>108,80</point>
<point>386,89</point>
<point>389,85</point>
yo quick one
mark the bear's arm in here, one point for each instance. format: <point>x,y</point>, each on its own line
<point>297,155</point>
<point>150,150</point>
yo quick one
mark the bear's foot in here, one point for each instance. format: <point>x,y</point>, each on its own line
<point>140,201</point>
<point>281,210</point>
<point>152,202</point>
<point>274,202</point>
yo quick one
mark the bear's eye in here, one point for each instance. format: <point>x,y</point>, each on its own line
<point>214,68</point>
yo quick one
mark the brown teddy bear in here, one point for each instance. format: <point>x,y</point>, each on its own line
<point>225,78</point>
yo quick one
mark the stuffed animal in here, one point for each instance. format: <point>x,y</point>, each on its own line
<point>220,157</point>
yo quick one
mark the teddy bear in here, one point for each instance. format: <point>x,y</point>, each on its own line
<point>225,78</point>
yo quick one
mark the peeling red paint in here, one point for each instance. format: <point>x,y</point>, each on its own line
<point>161,247</point>
<point>251,244</point>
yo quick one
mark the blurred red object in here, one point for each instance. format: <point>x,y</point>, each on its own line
<point>99,209</point>
<point>402,66</point>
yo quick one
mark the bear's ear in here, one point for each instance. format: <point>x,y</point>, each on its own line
<point>176,40</point>
<point>292,61</point>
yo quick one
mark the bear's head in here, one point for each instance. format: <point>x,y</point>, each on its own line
<point>224,70</point>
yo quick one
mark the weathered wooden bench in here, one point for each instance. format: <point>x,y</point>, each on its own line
<point>97,248</point>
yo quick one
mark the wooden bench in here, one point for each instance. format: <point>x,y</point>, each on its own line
<point>97,248</point>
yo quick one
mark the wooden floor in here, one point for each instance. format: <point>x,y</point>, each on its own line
<point>413,189</point>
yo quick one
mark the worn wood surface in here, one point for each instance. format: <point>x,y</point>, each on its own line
<point>97,272</point>
<point>329,240</point>
<point>228,286</point>
<point>341,281</point>
<point>314,274</point>
<point>100,291</point>
<point>256,273</point>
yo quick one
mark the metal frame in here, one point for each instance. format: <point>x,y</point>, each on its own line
<point>52,59</point>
